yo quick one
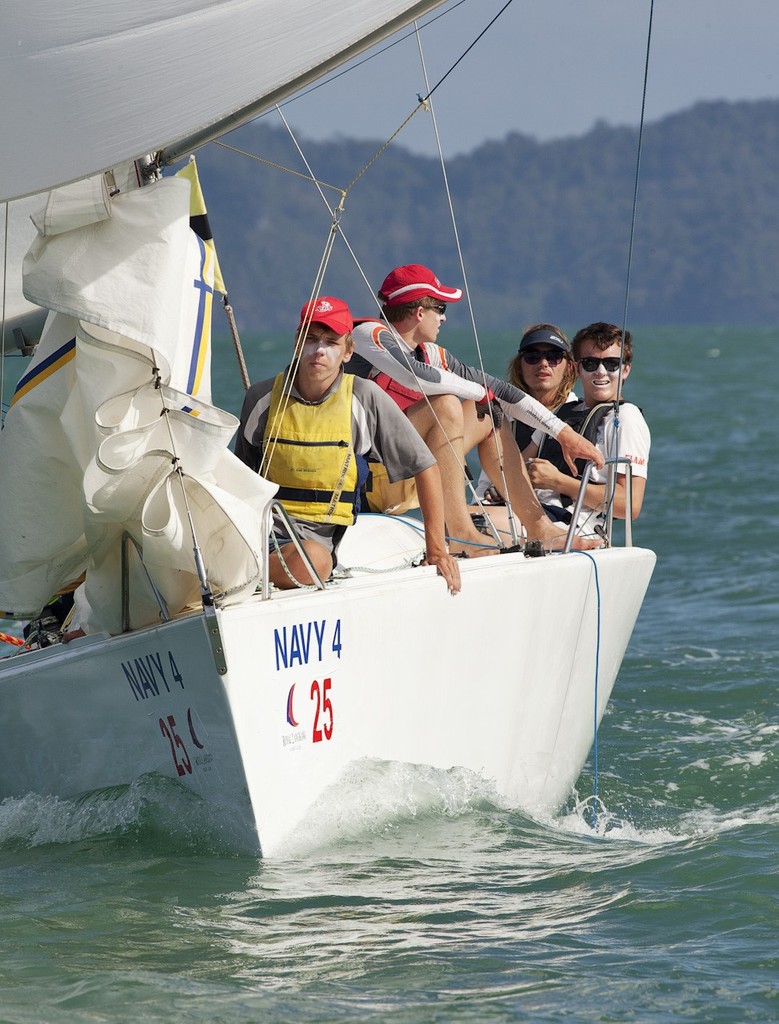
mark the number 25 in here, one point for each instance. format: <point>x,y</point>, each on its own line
<point>324,708</point>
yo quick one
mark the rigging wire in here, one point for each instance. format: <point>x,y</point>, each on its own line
<point>361,272</point>
<point>302,334</point>
<point>610,493</point>
<point>612,479</point>
<point>466,287</point>
<point>358,63</point>
<point>635,187</point>
<point>465,53</point>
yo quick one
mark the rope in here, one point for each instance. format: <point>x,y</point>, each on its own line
<point>371,56</point>
<point>610,492</point>
<point>278,167</point>
<point>312,177</point>
<point>285,567</point>
<point>423,103</point>
<point>272,428</point>
<point>464,54</point>
<point>466,287</point>
<point>595,692</point>
<point>635,188</point>
<point>362,274</point>
<point>236,344</point>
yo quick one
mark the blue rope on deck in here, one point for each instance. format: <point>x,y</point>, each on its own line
<point>595,697</point>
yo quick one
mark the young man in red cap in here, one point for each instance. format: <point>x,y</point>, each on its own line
<point>456,407</point>
<point>311,428</point>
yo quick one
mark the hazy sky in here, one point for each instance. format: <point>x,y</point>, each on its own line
<point>550,69</point>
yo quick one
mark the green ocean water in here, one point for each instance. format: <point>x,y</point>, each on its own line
<point>420,897</point>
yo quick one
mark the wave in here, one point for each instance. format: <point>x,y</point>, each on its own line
<point>373,810</point>
<point>153,810</point>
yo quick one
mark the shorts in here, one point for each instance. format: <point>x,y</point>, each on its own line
<point>327,535</point>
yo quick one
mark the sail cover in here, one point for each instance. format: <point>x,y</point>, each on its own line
<point>90,83</point>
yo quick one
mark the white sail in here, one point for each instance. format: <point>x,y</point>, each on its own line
<point>96,82</point>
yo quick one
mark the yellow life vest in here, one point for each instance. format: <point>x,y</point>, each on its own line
<point>311,455</point>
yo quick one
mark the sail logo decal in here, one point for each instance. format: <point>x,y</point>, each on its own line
<point>290,712</point>
<point>48,366</point>
<point>319,715</point>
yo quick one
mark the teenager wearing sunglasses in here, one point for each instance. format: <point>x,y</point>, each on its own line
<point>600,358</point>
<point>456,407</point>
<point>543,367</point>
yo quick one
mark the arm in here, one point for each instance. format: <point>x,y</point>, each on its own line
<point>384,350</point>
<point>246,452</point>
<point>253,416</point>
<point>431,504</point>
<point>531,412</point>
<point>575,446</point>
<point>544,475</point>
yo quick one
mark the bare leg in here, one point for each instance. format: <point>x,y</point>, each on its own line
<point>449,433</point>
<point>321,558</point>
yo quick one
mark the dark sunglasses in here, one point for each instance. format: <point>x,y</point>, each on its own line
<point>439,307</point>
<point>591,364</point>
<point>535,355</point>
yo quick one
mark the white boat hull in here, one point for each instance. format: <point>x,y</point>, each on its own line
<point>379,667</point>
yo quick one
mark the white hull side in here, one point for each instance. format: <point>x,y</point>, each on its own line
<point>499,680</point>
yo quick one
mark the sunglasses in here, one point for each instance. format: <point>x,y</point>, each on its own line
<point>438,307</point>
<point>535,355</point>
<point>590,364</point>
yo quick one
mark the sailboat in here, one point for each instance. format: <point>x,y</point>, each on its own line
<point>117,476</point>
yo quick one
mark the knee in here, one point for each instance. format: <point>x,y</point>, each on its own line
<point>448,409</point>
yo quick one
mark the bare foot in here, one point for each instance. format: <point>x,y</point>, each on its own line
<point>557,542</point>
<point>477,549</point>
<point>586,543</point>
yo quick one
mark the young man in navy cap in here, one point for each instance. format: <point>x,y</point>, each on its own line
<point>453,405</point>
<point>310,430</point>
<point>602,356</point>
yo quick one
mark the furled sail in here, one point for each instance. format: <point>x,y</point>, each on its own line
<point>116,400</point>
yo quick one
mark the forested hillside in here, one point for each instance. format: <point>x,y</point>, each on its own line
<point>544,227</point>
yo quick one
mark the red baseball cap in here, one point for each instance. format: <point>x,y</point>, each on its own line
<point>406,284</point>
<point>333,313</point>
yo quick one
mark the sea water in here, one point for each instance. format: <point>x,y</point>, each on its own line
<point>417,896</point>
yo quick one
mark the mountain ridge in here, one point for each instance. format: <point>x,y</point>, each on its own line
<point>544,227</point>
